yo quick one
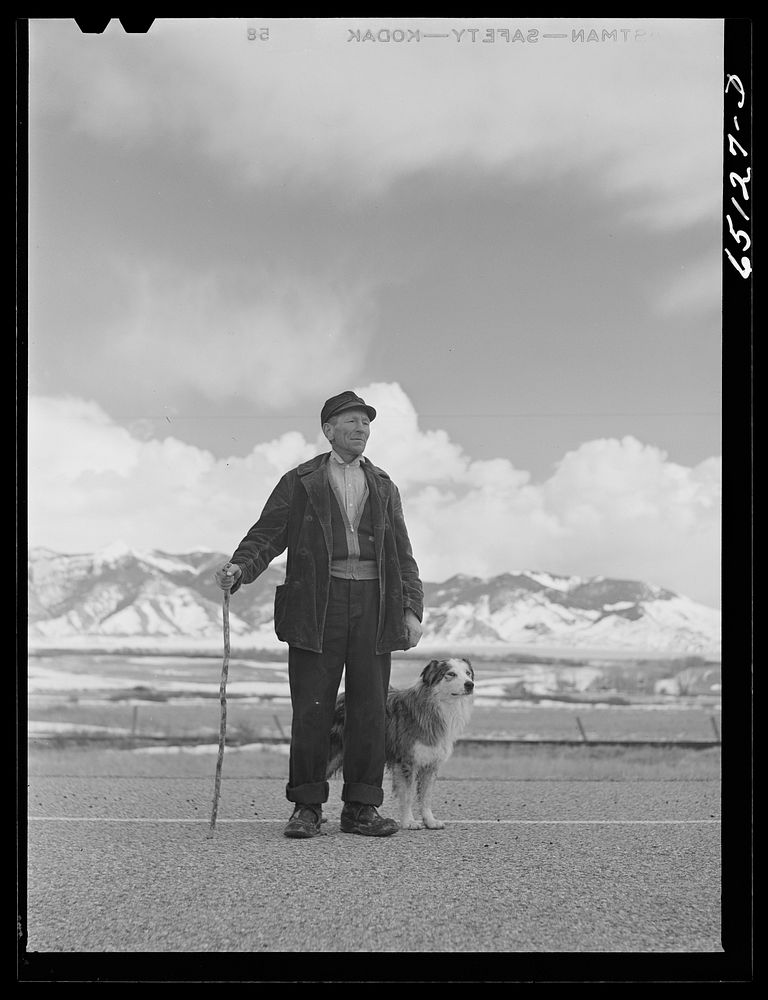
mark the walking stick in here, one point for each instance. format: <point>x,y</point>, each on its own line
<point>223,720</point>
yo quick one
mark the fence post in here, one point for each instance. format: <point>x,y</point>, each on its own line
<point>134,720</point>
<point>581,730</point>
<point>713,720</point>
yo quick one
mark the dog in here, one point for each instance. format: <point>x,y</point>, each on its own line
<point>423,723</point>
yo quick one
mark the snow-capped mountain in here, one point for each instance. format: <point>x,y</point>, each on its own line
<point>533,608</point>
<point>120,592</point>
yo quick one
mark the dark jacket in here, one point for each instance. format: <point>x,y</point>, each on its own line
<point>297,516</point>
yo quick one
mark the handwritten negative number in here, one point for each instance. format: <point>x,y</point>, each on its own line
<point>737,180</point>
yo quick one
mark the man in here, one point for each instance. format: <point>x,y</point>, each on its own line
<point>351,595</point>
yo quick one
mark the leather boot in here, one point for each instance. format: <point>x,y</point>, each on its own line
<point>358,817</point>
<point>305,821</point>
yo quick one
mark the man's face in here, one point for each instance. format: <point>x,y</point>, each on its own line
<point>348,432</point>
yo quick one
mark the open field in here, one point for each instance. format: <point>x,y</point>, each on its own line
<point>169,698</point>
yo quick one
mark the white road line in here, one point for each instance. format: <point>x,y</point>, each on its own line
<point>449,822</point>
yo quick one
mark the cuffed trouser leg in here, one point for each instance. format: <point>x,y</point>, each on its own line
<point>314,680</point>
<point>349,638</point>
<point>366,681</point>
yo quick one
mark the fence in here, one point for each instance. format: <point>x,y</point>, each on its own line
<point>268,729</point>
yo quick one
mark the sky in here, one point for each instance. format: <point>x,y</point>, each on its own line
<point>509,244</point>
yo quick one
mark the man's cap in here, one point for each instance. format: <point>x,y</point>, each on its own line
<point>345,401</point>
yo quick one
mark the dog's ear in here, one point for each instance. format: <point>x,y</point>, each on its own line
<point>433,672</point>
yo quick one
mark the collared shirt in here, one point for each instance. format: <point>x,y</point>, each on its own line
<point>350,487</point>
<point>348,482</point>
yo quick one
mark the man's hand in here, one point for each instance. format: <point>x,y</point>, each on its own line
<point>413,629</point>
<point>226,576</point>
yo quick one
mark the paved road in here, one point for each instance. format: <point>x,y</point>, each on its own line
<point>119,861</point>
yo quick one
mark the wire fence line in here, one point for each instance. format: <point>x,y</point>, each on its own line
<point>270,730</point>
<point>462,744</point>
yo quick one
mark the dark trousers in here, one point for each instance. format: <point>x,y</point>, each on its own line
<point>349,640</point>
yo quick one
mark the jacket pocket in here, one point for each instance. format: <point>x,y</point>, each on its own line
<point>280,601</point>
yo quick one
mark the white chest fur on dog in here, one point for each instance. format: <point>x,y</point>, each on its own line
<point>423,724</point>
<point>425,755</point>
<point>456,716</point>
<point>432,754</point>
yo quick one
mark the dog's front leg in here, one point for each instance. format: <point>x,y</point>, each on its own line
<point>426,784</point>
<point>404,787</point>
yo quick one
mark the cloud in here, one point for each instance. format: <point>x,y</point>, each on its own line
<point>612,507</point>
<point>91,482</point>
<point>641,114</point>
<point>224,334</point>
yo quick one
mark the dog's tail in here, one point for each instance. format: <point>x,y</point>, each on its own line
<point>336,749</point>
